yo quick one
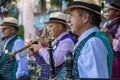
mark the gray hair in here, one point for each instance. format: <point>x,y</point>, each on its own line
<point>94,18</point>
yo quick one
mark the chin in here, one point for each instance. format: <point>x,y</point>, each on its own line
<point>74,32</point>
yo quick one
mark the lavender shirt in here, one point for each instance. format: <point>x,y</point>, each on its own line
<point>61,49</point>
<point>116,39</point>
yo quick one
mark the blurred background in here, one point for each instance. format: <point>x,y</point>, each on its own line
<point>31,15</point>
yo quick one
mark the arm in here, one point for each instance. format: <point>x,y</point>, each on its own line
<point>39,59</point>
<point>22,62</point>
<point>116,41</point>
<point>92,62</point>
<point>63,47</point>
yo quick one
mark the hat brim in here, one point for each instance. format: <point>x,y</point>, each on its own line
<point>68,10</point>
<point>110,6</point>
<point>13,25</point>
<point>57,22</point>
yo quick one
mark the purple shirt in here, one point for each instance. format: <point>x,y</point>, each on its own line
<point>62,48</point>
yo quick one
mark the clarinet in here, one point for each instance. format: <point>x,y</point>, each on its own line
<point>69,61</point>
<point>52,67</point>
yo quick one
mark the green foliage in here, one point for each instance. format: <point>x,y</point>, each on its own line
<point>59,2</point>
<point>21,31</point>
<point>56,2</point>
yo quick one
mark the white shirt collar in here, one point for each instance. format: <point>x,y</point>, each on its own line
<point>87,32</point>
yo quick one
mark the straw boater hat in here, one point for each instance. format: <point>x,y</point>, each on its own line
<point>57,17</point>
<point>92,5</point>
<point>9,21</point>
<point>114,4</point>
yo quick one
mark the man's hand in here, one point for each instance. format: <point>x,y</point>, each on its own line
<point>36,47</point>
<point>109,36</point>
<point>104,29</point>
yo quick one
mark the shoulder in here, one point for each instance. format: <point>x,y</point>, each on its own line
<point>94,40</point>
<point>67,41</point>
<point>94,45</point>
<point>19,40</point>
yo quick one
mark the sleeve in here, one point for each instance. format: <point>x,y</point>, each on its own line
<point>39,59</point>
<point>92,63</point>
<point>22,62</point>
<point>63,47</point>
<point>116,41</point>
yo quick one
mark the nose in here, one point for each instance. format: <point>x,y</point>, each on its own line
<point>49,29</point>
<point>68,20</point>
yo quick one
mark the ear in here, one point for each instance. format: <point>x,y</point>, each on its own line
<point>12,30</point>
<point>85,18</point>
<point>118,13</point>
<point>59,26</point>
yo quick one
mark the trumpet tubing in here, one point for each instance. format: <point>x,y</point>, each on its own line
<point>11,55</point>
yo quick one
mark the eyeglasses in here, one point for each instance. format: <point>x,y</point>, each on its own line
<point>5,28</point>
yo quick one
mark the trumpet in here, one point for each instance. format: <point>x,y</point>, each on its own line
<point>11,55</point>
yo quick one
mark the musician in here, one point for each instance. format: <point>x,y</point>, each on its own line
<point>113,26</point>
<point>18,67</point>
<point>64,42</point>
<point>91,52</point>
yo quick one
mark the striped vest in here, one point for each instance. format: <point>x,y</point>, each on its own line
<point>8,67</point>
<point>77,50</point>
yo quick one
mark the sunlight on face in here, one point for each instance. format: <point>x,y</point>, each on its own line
<point>7,31</point>
<point>53,29</point>
<point>75,21</point>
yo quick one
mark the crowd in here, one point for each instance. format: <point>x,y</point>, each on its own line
<point>95,53</point>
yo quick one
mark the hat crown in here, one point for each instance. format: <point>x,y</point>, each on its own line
<point>115,3</point>
<point>10,20</point>
<point>96,2</point>
<point>58,15</point>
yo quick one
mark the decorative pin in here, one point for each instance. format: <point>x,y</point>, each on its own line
<point>54,47</point>
<point>6,51</point>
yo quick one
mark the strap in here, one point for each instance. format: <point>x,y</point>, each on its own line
<point>77,51</point>
<point>109,26</point>
<point>105,40</point>
<point>64,37</point>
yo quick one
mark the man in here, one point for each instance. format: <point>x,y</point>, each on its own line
<point>18,67</point>
<point>91,53</point>
<point>63,43</point>
<point>113,27</point>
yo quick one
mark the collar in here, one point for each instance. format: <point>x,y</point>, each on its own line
<point>87,32</point>
<point>61,35</point>
<point>7,40</point>
<point>113,20</point>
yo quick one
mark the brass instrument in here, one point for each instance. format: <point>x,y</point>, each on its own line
<point>43,36</point>
<point>11,55</point>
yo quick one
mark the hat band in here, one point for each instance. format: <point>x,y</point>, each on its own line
<point>93,6</point>
<point>56,19</point>
<point>118,7</point>
<point>10,23</point>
